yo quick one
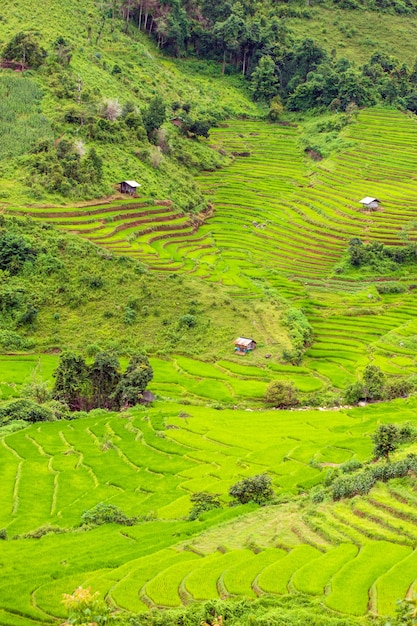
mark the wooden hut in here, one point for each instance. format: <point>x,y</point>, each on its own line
<point>129,186</point>
<point>370,203</point>
<point>243,345</point>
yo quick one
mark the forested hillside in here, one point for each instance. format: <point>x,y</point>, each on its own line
<point>114,91</point>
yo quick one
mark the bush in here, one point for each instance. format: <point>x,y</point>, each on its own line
<point>362,482</point>
<point>391,287</point>
<point>300,331</point>
<point>104,513</point>
<point>281,394</point>
<point>187,321</point>
<point>14,251</point>
<point>351,466</point>
<point>254,489</point>
<point>24,410</point>
<point>202,502</point>
<point>398,389</point>
<point>354,393</point>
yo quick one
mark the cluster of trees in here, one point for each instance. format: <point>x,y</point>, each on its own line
<point>84,387</point>
<point>375,386</point>
<point>254,40</point>
<point>377,255</point>
<point>25,48</point>
<point>63,166</point>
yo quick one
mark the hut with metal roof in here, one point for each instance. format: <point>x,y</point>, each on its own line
<point>243,345</point>
<point>129,186</point>
<point>370,203</point>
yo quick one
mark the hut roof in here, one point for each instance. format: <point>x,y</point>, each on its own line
<point>368,200</point>
<point>243,341</point>
<point>131,183</point>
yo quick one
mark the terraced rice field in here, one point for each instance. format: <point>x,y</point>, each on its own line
<point>281,225</point>
<point>149,462</point>
<point>176,378</point>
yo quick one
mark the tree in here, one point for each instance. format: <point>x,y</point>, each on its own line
<point>373,382</point>
<point>134,381</point>
<point>104,376</point>
<point>62,50</point>
<point>354,393</point>
<point>154,116</point>
<point>386,440</point>
<point>202,502</point>
<point>281,394</point>
<point>254,489</point>
<point>72,384</point>
<point>358,253</point>
<point>276,109</point>
<point>199,128</point>
<point>264,82</point>
<point>24,48</point>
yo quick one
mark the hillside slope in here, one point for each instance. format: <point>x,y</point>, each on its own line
<point>73,97</point>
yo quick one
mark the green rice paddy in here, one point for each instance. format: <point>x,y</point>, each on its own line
<point>125,460</point>
<point>280,228</point>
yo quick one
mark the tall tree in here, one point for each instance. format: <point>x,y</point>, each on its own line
<point>154,116</point>
<point>72,384</point>
<point>105,376</point>
<point>264,82</point>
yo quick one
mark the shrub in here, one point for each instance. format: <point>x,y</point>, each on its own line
<point>202,502</point>
<point>350,466</point>
<point>281,394</point>
<point>24,410</point>
<point>187,321</point>
<point>130,315</point>
<point>104,513</point>
<point>14,251</point>
<point>391,287</point>
<point>354,393</point>
<point>37,390</point>
<point>254,489</point>
<point>362,482</point>
<point>300,331</point>
<point>398,389</point>
<point>85,607</point>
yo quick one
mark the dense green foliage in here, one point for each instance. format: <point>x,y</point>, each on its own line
<point>100,385</point>
<point>104,513</point>
<point>361,482</point>
<point>281,394</point>
<point>379,257</point>
<point>375,386</point>
<point>254,489</point>
<point>202,502</point>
